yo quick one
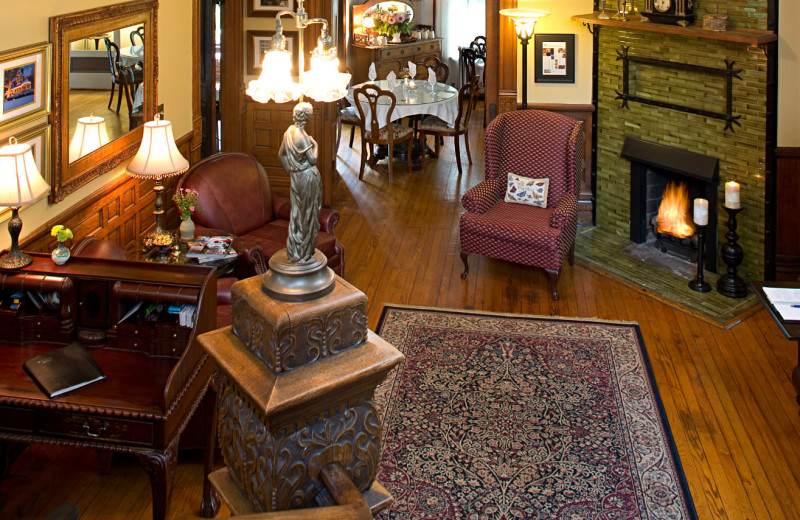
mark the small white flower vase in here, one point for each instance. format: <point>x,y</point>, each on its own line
<point>60,255</point>
<point>187,229</point>
<point>396,37</point>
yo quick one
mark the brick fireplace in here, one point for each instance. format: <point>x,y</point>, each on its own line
<point>740,148</point>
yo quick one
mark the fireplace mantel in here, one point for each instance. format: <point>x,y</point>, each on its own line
<point>750,37</point>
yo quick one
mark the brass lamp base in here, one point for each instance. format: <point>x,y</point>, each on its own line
<point>290,282</point>
<point>15,259</point>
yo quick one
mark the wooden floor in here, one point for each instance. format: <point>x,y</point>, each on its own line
<point>727,393</point>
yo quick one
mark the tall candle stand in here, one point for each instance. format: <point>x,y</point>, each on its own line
<point>603,15</point>
<point>698,284</point>
<point>730,284</point>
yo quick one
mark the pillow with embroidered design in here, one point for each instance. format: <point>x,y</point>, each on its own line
<point>524,190</point>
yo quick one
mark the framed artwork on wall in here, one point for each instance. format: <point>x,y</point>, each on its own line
<point>259,42</point>
<point>268,7</point>
<point>39,140</point>
<point>25,76</point>
<point>554,58</point>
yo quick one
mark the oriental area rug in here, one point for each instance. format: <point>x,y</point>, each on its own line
<point>497,416</point>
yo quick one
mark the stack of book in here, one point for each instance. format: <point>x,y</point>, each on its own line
<point>211,248</point>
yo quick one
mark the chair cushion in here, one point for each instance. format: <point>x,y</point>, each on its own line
<point>349,115</point>
<point>514,224</point>
<point>272,238</point>
<point>434,124</point>
<point>524,190</point>
<point>400,131</point>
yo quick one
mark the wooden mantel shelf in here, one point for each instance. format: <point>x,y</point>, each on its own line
<point>751,37</point>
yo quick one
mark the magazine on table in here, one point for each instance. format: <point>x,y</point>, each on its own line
<point>786,302</point>
<point>211,248</point>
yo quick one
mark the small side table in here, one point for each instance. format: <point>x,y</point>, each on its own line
<point>790,330</point>
<point>177,255</point>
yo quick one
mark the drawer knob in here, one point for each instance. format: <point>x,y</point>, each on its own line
<point>88,430</point>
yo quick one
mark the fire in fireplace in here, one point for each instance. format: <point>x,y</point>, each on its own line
<point>664,181</point>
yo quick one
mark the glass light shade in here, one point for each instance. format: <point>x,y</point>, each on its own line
<point>368,22</point>
<point>524,20</point>
<point>90,134</point>
<point>324,82</point>
<point>20,180</point>
<point>275,81</point>
<point>158,155</point>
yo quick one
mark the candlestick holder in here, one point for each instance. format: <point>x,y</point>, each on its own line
<point>698,284</point>
<point>603,15</point>
<point>730,284</point>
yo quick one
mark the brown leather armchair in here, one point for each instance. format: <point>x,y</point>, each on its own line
<point>235,197</point>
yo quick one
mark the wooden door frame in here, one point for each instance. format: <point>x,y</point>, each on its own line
<point>500,76</point>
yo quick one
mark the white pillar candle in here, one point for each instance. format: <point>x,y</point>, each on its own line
<point>701,212</point>
<point>732,195</point>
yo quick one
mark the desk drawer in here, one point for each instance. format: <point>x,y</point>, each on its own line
<point>91,427</point>
<point>17,419</point>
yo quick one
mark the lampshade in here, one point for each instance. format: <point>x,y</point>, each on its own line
<point>275,81</point>
<point>20,180</point>
<point>90,134</point>
<point>368,22</point>
<point>524,20</point>
<point>158,155</point>
<point>324,82</point>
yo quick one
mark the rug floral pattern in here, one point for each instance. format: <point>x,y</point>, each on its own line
<point>507,417</point>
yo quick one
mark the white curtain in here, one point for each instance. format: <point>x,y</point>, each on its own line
<point>458,23</point>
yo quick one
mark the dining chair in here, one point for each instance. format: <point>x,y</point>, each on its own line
<point>347,116</point>
<point>439,67</point>
<point>137,34</point>
<point>117,70</point>
<point>135,113</point>
<point>439,128</point>
<point>372,132</point>
<point>471,57</point>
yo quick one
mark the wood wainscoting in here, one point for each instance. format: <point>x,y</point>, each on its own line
<point>584,114</point>
<point>787,225</point>
<point>121,211</point>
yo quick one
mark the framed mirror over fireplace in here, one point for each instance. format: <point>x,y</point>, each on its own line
<point>664,182</point>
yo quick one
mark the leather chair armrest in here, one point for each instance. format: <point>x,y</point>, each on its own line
<point>224,290</point>
<point>328,218</point>
<point>484,195</point>
<point>251,262</point>
<point>564,212</point>
<point>282,208</point>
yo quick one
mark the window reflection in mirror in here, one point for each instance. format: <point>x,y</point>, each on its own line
<point>106,73</point>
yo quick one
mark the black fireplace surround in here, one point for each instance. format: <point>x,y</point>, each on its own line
<point>652,165</point>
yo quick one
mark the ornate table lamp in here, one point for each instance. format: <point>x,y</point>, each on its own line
<point>158,157</point>
<point>20,184</point>
<point>524,24</point>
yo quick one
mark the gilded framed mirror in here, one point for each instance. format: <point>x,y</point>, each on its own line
<point>104,66</point>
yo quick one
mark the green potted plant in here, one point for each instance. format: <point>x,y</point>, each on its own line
<point>61,254</point>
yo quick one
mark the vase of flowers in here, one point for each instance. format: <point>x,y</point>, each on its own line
<point>61,254</point>
<point>187,201</point>
<point>392,23</point>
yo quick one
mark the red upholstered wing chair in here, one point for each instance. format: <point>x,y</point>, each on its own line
<point>235,197</point>
<point>535,144</point>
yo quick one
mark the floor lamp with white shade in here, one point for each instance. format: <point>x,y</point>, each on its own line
<point>524,24</point>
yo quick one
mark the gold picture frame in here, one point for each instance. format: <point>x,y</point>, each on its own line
<point>24,84</point>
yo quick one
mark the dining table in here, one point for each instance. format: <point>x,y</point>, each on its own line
<point>421,98</point>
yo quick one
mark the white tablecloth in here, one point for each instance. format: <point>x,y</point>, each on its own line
<point>441,102</point>
<point>130,56</point>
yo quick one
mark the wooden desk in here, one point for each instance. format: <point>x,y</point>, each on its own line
<point>790,330</point>
<point>156,373</point>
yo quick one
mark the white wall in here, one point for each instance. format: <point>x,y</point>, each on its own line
<point>27,23</point>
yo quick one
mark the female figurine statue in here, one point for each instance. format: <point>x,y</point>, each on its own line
<point>298,154</point>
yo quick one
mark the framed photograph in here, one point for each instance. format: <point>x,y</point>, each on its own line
<point>555,58</point>
<point>268,7</point>
<point>259,42</point>
<point>39,140</point>
<point>25,76</point>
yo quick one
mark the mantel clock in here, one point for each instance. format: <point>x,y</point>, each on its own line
<point>673,12</point>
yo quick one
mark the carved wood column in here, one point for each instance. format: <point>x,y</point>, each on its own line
<point>501,59</point>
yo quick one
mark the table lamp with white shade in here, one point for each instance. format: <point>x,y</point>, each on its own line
<point>158,157</point>
<point>90,134</point>
<point>20,184</point>
<point>524,25</point>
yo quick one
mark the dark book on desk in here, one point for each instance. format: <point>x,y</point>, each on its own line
<point>63,370</point>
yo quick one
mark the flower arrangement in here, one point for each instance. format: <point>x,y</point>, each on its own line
<point>186,200</point>
<point>390,22</point>
<point>404,73</point>
<point>61,233</point>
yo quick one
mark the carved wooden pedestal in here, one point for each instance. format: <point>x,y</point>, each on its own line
<point>297,395</point>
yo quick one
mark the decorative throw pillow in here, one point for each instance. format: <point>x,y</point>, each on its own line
<point>524,190</point>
